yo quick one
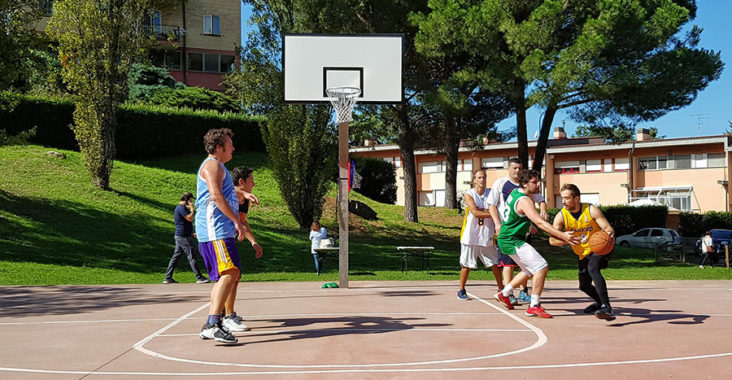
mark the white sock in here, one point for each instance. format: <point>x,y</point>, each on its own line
<point>508,289</point>
<point>535,300</point>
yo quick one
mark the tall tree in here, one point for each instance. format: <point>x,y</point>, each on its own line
<point>98,40</point>
<point>301,140</point>
<point>607,61</point>
<point>261,59</point>
<point>16,37</point>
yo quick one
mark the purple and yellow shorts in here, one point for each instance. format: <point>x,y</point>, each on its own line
<point>220,256</point>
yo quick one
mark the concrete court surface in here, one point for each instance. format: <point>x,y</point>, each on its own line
<point>373,330</point>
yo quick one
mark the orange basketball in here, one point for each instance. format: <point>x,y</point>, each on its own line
<point>601,243</point>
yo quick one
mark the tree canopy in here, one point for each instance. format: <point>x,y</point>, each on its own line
<point>609,62</point>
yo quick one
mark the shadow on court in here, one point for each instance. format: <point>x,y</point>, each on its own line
<point>324,327</point>
<point>62,300</point>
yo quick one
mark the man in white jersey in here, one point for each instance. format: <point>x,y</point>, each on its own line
<point>497,201</point>
<point>476,235</point>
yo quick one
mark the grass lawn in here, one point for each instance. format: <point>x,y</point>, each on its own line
<point>56,228</point>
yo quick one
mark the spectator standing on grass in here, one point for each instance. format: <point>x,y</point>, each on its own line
<point>707,248</point>
<point>183,217</point>
<point>317,234</point>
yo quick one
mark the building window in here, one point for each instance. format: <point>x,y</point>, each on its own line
<point>195,61</point>
<point>465,165</point>
<point>171,60</point>
<point>566,167</point>
<point>593,166</point>
<point>429,167</point>
<point>654,162</point>
<point>226,63</point>
<point>716,160</point>
<point>621,165</point>
<point>682,161</point>
<point>211,25</point>
<point>210,63</point>
<point>607,165</point>
<point>396,161</point>
<point>492,163</point>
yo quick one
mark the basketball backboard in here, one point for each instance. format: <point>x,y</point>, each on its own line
<point>313,63</point>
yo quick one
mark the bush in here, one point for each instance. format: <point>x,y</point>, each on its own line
<point>19,139</point>
<point>195,98</point>
<point>144,81</point>
<point>628,219</point>
<point>143,131</point>
<point>694,225</point>
<point>378,180</point>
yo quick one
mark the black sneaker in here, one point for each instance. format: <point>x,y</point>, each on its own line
<point>217,332</point>
<point>591,309</point>
<point>605,312</point>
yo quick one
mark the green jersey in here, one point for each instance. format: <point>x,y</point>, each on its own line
<point>515,227</point>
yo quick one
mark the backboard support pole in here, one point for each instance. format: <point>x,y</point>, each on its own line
<point>343,170</point>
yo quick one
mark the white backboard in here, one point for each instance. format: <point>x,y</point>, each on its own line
<point>314,62</point>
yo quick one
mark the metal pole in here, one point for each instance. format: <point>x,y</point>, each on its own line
<point>343,204</point>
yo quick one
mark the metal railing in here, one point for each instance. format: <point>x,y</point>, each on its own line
<point>172,33</point>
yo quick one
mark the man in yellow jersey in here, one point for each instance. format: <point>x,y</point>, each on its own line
<point>582,220</point>
<point>476,235</point>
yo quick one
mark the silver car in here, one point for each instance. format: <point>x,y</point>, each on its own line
<point>649,238</point>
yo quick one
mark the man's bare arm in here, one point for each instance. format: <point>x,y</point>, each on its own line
<point>526,205</point>
<point>558,224</point>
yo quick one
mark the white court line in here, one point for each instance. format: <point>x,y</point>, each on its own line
<point>541,340</point>
<point>390,370</point>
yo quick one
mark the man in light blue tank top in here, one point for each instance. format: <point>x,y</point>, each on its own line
<point>217,227</point>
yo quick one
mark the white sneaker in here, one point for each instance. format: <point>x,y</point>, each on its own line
<point>233,325</point>
<point>701,266</point>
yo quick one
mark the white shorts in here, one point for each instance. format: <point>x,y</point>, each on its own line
<point>470,253</point>
<point>528,259</point>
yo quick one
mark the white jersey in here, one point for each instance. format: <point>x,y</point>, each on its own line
<point>500,191</point>
<point>477,231</point>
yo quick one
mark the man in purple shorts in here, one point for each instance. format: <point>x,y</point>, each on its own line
<point>217,227</point>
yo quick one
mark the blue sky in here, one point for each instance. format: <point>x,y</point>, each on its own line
<point>712,108</point>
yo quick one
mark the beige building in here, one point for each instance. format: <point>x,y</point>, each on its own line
<point>197,40</point>
<point>688,174</point>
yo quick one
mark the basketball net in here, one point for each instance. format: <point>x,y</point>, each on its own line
<point>343,100</point>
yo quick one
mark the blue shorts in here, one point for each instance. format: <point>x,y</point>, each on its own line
<point>220,256</point>
<point>505,260</point>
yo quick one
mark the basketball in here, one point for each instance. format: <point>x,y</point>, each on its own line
<point>601,243</point>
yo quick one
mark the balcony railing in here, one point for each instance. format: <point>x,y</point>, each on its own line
<point>173,33</point>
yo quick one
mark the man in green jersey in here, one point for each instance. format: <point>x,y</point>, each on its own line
<point>519,212</point>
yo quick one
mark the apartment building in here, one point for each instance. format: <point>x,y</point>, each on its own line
<point>197,40</point>
<point>687,174</point>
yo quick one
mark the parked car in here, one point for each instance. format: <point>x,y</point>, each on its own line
<point>649,238</point>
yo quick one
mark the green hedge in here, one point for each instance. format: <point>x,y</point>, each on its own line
<point>143,131</point>
<point>628,219</point>
<point>694,225</point>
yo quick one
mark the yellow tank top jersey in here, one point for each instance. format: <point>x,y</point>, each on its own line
<point>582,227</point>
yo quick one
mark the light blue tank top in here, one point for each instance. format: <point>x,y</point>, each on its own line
<point>211,223</point>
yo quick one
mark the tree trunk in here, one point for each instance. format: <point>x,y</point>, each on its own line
<point>546,127</point>
<point>520,110</point>
<point>406,144</point>
<point>452,145</point>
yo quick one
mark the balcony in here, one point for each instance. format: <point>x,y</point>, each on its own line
<point>170,33</point>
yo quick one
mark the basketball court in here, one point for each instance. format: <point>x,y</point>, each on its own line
<point>664,329</point>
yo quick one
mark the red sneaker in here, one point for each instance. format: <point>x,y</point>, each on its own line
<point>537,311</point>
<point>504,300</point>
